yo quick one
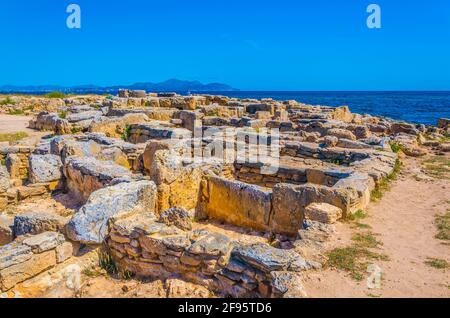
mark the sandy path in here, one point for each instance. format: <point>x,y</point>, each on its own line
<point>15,123</point>
<point>403,220</point>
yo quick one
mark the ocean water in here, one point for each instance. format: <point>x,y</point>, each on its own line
<point>416,107</point>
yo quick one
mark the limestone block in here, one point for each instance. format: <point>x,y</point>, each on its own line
<point>323,212</point>
<point>18,273</point>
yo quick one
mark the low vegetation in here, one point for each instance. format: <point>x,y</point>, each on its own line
<point>437,263</point>
<point>62,114</point>
<point>383,185</point>
<point>56,94</point>
<point>7,101</point>
<point>126,133</point>
<point>395,147</point>
<point>107,263</point>
<point>442,222</point>
<point>12,137</point>
<point>437,167</point>
<point>16,112</point>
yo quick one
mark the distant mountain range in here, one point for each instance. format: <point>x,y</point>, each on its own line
<point>172,85</point>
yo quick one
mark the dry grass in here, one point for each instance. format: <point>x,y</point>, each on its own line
<point>437,167</point>
<point>442,222</point>
<point>11,137</point>
<point>355,259</point>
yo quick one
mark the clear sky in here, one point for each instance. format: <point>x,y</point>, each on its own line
<point>248,44</point>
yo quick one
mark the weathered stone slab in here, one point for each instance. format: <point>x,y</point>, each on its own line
<point>323,212</point>
<point>86,175</point>
<point>90,223</point>
<point>267,258</point>
<point>14,253</point>
<point>44,241</point>
<point>38,222</point>
<point>212,245</point>
<point>236,202</point>
<point>45,168</point>
<point>15,274</point>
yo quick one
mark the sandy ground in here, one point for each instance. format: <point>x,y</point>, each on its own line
<point>404,222</point>
<point>15,123</point>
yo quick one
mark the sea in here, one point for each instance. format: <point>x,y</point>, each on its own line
<point>419,107</point>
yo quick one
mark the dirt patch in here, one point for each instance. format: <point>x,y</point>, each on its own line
<point>404,221</point>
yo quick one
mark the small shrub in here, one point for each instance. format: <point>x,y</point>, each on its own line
<point>396,147</point>
<point>16,112</point>
<point>7,101</point>
<point>76,130</point>
<point>62,114</point>
<point>55,94</point>
<point>358,215</point>
<point>107,263</point>
<point>2,162</point>
<point>126,133</point>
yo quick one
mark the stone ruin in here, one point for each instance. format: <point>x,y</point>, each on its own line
<point>151,172</point>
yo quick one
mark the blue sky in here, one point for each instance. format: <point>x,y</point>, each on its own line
<point>251,45</point>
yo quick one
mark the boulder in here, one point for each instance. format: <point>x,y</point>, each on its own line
<point>38,222</point>
<point>323,212</point>
<point>45,168</point>
<point>90,223</point>
<point>177,217</point>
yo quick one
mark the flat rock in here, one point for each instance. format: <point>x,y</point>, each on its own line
<point>44,241</point>
<point>213,244</point>
<point>323,212</point>
<point>90,223</point>
<point>38,222</point>
<point>267,258</point>
<point>14,253</point>
<point>45,168</point>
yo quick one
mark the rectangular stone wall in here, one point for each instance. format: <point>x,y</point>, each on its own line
<point>235,202</point>
<point>146,248</point>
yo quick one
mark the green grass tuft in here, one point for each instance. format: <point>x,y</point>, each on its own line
<point>395,146</point>
<point>62,114</point>
<point>126,133</point>
<point>443,225</point>
<point>383,185</point>
<point>7,101</point>
<point>437,263</point>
